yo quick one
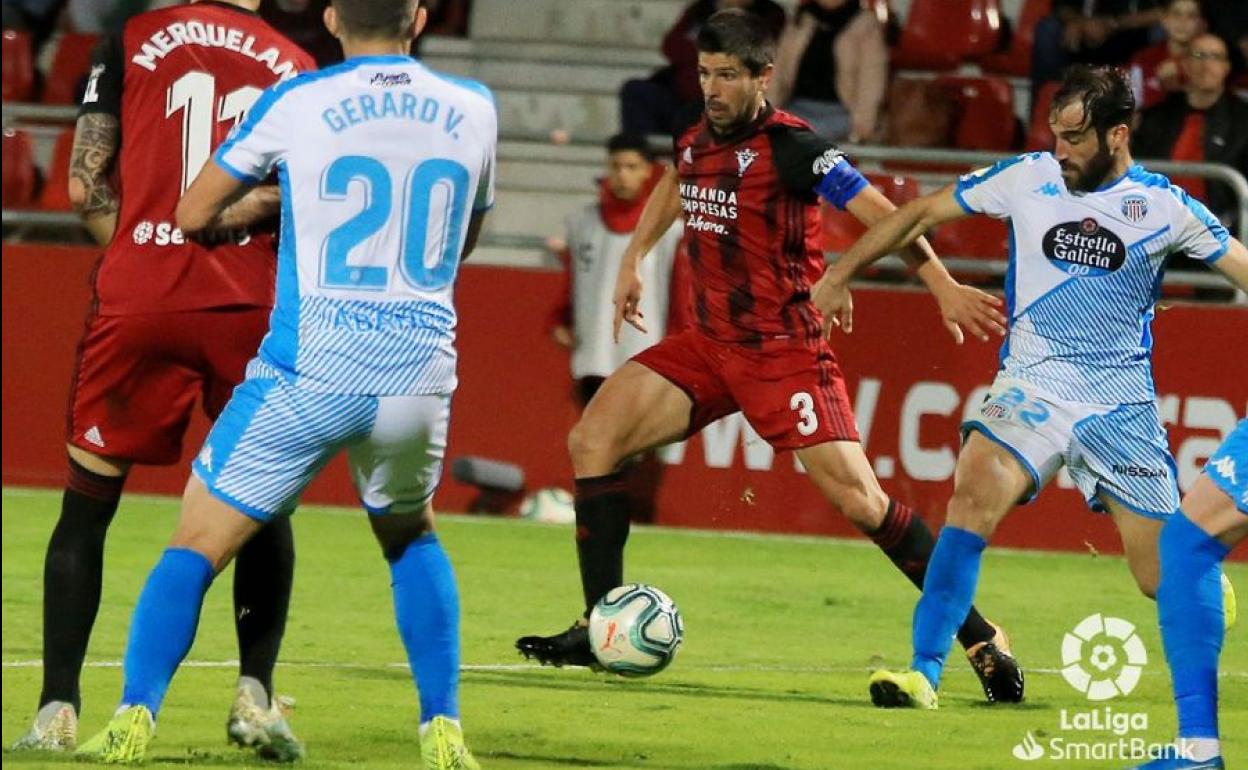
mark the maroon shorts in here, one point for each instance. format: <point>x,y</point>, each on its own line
<point>792,393</point>
<point>137,377</point>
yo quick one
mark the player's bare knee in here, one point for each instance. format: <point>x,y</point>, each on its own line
<point>396,531</point>
<point>970,508</point>
<point>593,447</point>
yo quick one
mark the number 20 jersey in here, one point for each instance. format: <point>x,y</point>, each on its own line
<point>382,163</point>
<point>179,79</point>
<point>1085,271</point>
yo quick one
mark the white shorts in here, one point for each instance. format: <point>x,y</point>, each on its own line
<point>1120,452</point>
<point>272,438</point>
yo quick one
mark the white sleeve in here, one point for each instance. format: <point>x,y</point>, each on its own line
<point>992,190</point>
<point>1198,234</point>
<point>485,186</point>
<point>257,144</point>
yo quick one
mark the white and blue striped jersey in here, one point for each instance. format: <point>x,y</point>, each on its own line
<point>381,163</point>
<point>1085,271</point>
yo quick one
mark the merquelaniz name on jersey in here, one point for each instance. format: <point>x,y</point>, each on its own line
<point>164,41</point>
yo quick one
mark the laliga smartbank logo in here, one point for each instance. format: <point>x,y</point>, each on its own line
<point>1102,658</point>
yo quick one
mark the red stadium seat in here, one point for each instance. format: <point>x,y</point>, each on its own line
<point>986,112</point>
<point>69,66</point>
<point>974,237</point>
<point>18,66</point>
<point>55,193</point>
<point>1016,60</point>
<point>898,189</point>
<point>1039,135</point>
<point>841,228</point>
<point>941,34</point>
<point>20,177</point>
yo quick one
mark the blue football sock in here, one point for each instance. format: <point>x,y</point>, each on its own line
<point>1189,604</point>
<point>163,625</point>
<point>426,606</point>
<point>948,591</point>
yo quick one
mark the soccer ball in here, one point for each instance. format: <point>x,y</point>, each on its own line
<point>551,505</point>
<point>635,630</point>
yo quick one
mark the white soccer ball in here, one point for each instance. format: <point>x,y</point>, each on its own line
<point>551,505</point>
<point>635,630</point>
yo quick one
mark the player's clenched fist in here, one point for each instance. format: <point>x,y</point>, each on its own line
<point>627,298</point>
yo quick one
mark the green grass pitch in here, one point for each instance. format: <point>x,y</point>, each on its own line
<point>781,634</point>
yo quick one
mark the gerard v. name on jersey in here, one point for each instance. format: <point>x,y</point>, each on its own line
<point>164,41</point>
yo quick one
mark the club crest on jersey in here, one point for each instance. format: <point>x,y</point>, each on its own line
<point>744,159</point>
<point>1135,207</point>
<point>686,157</point>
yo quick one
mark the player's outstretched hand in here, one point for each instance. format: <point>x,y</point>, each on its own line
<point>627,298</point>
<point>976,311</point>
<point>835,303</point>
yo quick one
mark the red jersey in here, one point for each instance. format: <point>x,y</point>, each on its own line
<point>179,79</point>
<point>1150,88</point>
<point>753,227</point>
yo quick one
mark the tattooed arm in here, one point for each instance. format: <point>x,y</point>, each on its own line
<point>96,142</point>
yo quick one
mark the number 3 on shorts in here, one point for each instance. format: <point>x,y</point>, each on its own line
<point>804,405</point>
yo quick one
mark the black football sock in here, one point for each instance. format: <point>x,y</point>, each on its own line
<point>72,575</point>
<point>906,540</point>
<point>263,575</point>
<point>602,507</point>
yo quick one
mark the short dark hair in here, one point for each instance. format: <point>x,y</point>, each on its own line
<point>738,33</point>
<point>1105,93</point>
<point>630,143</point>
<point>376,19</point>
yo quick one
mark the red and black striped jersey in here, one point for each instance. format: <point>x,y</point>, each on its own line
<point>751,205</point>
<point>179,79</point>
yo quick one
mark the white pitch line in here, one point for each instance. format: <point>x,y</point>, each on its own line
<point>538,667</point>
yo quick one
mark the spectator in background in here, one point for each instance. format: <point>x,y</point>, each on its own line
<point>38,17</point>
<point>1091,32</point>
<point>650,106</point>
<point>106,17</point>
<point>1228,19</point>
<point>302,22</point>
<point>596,237</point>
<point>832,69</point>
<point>1158,70</point>
<point>1204,123</point>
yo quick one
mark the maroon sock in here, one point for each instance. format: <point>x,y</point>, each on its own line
<point>905,539</point>
<point>602,508</point>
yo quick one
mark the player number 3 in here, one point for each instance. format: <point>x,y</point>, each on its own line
<point>804,405</point>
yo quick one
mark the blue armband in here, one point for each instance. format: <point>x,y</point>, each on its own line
<point>841,183</point>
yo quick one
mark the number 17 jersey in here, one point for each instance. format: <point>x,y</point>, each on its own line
<point>382,162</point>
<point>179,79</point>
